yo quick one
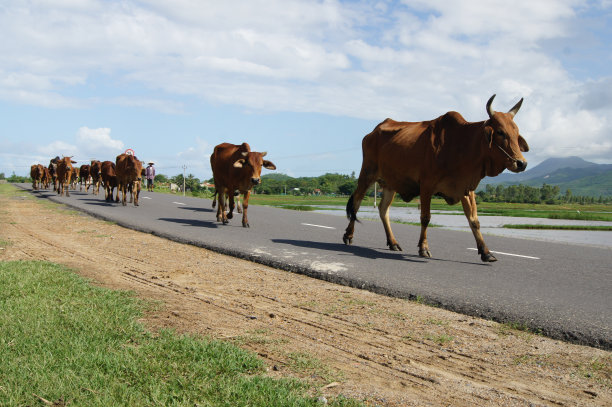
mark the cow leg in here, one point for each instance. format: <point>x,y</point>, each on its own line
<point>383,210</point>
<point>136,192</point>
<point>471,213</point>
<point>230,214</point>
<point>425,218</point>
<point>366,178</point>
<point>245,205</point>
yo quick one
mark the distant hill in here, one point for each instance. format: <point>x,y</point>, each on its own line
<point>580,176</point>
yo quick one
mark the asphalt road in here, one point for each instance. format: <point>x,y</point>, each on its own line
<point>561,290</point>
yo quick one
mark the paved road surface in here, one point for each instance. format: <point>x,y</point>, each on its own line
<point>563,290</point>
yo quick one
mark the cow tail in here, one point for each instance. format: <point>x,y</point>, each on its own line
<point>350,209</point>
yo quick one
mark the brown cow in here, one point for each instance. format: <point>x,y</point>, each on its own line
<point>64,175</point>
<point>84,176</point>
<point>447,157</point>
<point>95,170</point>
<point>36,173</point>
<point>109,179</point>
<point>236,168</point>
<point>129,176</point>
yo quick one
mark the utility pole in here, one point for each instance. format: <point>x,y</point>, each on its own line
<point>184,168</point>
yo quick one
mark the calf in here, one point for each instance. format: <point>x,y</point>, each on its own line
<point>236,168</point>
<point>53,171</point>
<point>129,176</point>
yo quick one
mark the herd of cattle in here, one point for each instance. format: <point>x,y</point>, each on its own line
<point>445,157</point>
<point>125,174</point>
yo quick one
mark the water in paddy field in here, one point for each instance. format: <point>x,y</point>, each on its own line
<point>493,225</point>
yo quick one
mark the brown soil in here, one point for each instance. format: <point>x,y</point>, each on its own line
<point>345,341</point>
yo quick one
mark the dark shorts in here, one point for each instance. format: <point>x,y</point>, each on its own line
<point>149,182</point>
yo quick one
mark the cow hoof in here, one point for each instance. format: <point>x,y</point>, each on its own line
<point>230,215</point>
<point>487,258</point>
<point>246,225</point>
<point>394,247</point>
<point>347,240</point>
<point>424,253</point>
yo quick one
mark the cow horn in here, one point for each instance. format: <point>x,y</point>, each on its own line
<point>516,108</point>
<point>264,153</point>
<point>489,110</point>
<point>245,153</point>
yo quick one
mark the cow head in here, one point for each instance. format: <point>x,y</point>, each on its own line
<point>504,139</point>
<point>252,163</point>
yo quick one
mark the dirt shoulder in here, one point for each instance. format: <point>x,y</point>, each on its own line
<point>383,350</point>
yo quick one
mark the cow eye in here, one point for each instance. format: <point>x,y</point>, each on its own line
<point>501,134</point>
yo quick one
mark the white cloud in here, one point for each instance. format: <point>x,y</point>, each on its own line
<point>411,62</point>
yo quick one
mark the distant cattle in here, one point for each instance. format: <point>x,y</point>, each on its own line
<point>447,157</point>
<point>53,171</point>
<point>84,176</point>
<point>36,173</point>
<point>236,169</point>
<point>74,179</point>
<point>64,175</point>
<point>46,179</point>
<point>129,177</point>
<point>109,179</point>
<point>95,170</point>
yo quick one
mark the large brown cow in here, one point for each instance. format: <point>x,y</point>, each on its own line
<point>129,177</point>
<point>84,174</point>
<point>95,170</point>
<point>109,179</point>
<point>64,175</point>
<point>74,179</point>
<point>236,168</point>
<point>36,173</point>
<point>447,156</point>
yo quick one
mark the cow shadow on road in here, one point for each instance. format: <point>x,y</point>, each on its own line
<point>191,222</point>
<point>195,209</point>
<point>359,251</point>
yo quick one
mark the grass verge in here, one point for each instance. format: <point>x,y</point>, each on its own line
<point>68,342</point>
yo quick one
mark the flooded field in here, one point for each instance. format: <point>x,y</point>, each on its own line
<point>493,225</point>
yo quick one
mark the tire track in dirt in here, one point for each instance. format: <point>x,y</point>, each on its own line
<point>386,348</point>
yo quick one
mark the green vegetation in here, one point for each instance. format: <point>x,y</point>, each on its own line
<point>560,227</point>
<point>68,342</point>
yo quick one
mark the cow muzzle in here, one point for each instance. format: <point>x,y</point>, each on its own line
<point>255,181</point>
<point>521,165</point>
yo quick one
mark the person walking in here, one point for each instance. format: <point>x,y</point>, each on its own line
<point>150,173</point>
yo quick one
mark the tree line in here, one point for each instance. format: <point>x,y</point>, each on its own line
<point>344,185</point>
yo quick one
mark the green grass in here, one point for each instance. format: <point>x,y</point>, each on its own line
<point>560,227</point>
<point>65,340</point>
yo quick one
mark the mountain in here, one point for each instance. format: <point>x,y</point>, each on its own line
<point>580,176</point>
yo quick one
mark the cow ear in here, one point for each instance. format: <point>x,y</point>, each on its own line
<point>72,161</point>
<point>489,133</point>
<point>238,164</point>
<point>269,165</point>
<point>523,144</point>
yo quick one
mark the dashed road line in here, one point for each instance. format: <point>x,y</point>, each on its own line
<point>318,226</point>
<point>179,203</point>
<point>510,254</point>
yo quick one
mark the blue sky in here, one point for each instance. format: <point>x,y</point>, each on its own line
<point>302,80</point>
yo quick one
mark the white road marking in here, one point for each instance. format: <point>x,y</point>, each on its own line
<point>318,226</point>
<point>510,254</point>
<point>179,203</point>
<point>145,197</point>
